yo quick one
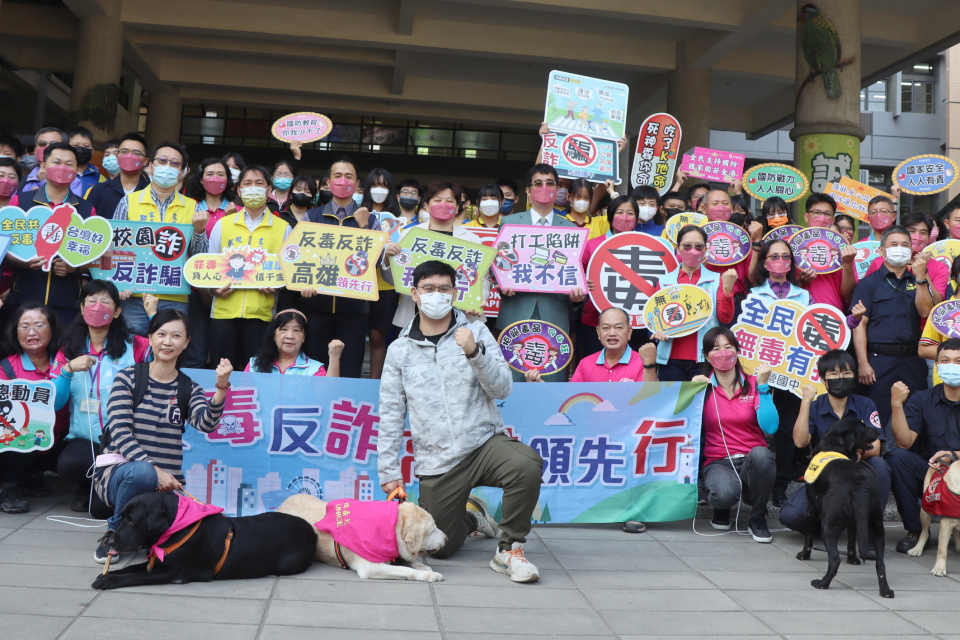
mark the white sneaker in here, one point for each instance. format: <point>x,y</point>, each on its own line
<point>514,564</point>
<point>486,525</point>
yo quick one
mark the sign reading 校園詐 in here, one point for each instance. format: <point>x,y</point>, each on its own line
<point>146,257</point>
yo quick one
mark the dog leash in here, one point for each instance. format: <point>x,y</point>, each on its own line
<point>399,494</point>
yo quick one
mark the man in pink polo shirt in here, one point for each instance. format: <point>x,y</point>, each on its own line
<point>616,362</point>
<point>828,288</point>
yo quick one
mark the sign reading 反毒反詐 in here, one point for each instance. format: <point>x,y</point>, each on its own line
<point>612,452</point>
<point>540,259</point>
<point>535,345</point>
<point>679,221</point>
<point>852,197</point>
<point>303,126</point>
<point>773,179</point>
<point>817,249</point>
<point>789,338</point>
<point>678,310</point>
<point>586,116</point>
<point>240,266</point>
<point>926,174</point>
<point>469,259</point>
<point>336,261</point>
<point>658,146</point>
<point>727,243</point>
<point>626,270</point>
<point>27,415</point>
<point>711,164</point>
<point>146,257</point>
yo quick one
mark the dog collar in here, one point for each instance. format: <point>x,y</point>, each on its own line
<point>179,543</point>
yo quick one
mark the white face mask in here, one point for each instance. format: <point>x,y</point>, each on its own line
<point>378,194</point>
<point>646,213</point>
<point>489,207</point>
<point>899,256</point>
<point>436,305</point>
<point>235,173</point>
<point>580,205</point>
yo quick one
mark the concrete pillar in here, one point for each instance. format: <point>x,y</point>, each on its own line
<point>163,117</point>
<point>99,56</point>
<point>952,115</point>
<point>826,130</point>
<point>688,100</point>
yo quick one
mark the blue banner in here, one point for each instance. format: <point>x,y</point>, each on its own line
<point>612,452</point>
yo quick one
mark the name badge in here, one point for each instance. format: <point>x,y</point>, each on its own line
<point>89,405</point>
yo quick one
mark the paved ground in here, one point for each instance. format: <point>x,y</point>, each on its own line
<point>597,582</point>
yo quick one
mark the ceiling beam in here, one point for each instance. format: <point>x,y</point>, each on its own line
<point>400,66</point>
<point>757,16</point>
<point>408,11</point>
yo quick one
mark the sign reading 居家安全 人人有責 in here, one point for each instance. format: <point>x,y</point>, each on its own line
<point>540,259</point>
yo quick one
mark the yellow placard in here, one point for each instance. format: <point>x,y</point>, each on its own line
<point>681,220</point>
<point>335,261</point>
<point>242,267</point>
<point>852,197</point>
<point>944,251</point>
<point>678,310</point>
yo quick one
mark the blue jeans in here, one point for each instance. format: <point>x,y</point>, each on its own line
<point>136,317</point>
<point>128,481</point>
<point>793,514</point>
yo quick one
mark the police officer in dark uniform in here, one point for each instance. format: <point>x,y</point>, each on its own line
<point>926,427</point>
<point>886,340</point>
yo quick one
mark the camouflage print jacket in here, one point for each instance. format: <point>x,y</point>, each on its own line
<point>451,400</point>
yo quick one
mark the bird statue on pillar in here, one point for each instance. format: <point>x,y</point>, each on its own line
<point>821,49</point>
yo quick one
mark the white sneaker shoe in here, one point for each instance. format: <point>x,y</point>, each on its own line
<point>486,525</point>
<point>514,564</point>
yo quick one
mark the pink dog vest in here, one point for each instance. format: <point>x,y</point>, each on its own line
<point>938,500</point>
<point>369,529</point>
<point>188,512</point>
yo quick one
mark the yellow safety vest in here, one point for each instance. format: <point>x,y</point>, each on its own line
<point>249,303</point>
<point>819,463</point>
<point>141,208</point>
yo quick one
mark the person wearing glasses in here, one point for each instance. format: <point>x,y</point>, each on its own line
<point>680,359</point>
<point>834,288</point>
<point>160,202</point>
<point>132,159</point>
<point>555,308</point>
<point>445,373</point>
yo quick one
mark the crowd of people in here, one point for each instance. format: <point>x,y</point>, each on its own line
<point>93,341</point>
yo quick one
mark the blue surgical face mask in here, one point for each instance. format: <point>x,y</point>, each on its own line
<point>111,164</point>
<point>949,373</point>
<point>165,177</point>
<point>358,198</point>
<point>282,184</point>
<point>507,207</point>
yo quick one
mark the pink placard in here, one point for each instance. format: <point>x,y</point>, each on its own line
<point>713,165</point>
<point>540,259</point>
<point>304,126</point>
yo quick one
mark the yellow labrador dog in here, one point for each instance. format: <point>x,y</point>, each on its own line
<point>942,499</point>
<point>417,534</point>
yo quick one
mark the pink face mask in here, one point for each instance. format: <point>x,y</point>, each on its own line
<point>778,266</point>
<point>342,187</point>
<point>443,211</point>
<point>821,220</point>
<point>8,187</point>
<point>955,231</point>
<point>97,315</point>
<point>214,184</point>
<point>934,234</point>
<point>720,213</point>
<point>38,153</point>
<point>624,222</point>
<point>723,360</point>
<point>543,195</point>
<point>881,221</point>
<point>130,163</point>
<point>918,242</point>
<point>61,174</point>
<point>692,258</point>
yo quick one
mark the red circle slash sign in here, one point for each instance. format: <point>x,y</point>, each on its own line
<point>579,150</point>
<point>822,328</point>
<point>626,270</point>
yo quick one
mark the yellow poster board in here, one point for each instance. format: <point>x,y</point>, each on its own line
<point>242,267</point>
<point>681,220</point>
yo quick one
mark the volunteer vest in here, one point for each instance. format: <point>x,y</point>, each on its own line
<point>709,282</point>
<point>938,499</point>
<point>819,463</point>
<point>141,208</point>
<point>268,234</point>
<point>89,391</point>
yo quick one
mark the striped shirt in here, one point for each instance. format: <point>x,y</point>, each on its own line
<point>153,433</point>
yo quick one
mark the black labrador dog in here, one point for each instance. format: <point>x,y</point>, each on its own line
<point>845,496</point>
<point>265,544</point>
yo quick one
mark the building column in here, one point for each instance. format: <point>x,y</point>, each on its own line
<point>163,118</point>
<point>952,116</point>
<point>688,100</point>
<point>99,57</point>
<point>826,130</point>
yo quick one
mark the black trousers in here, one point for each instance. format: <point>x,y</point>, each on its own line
<point>75,460</point>
<point>348,328</point>
<point>14,465</point>
<point>788,407</point>
<point>912,370</point>
<point>237,340</point>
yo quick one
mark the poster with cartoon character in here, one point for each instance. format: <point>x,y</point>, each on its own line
<point>27,415</point>
<point>540,259</point>
<point>242,267</point>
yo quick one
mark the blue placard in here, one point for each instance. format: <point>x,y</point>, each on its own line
<point>147,257</point>
<point>921,175</point>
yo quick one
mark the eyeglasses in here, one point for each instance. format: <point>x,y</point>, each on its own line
<point>409,192</point>
<point>778,256</point>
<point>160,161</point>
<point>540,183</point>
<point>846,375</point>
<point>693,247</point>
<point>883,211</point>
<point>819,212</point>
<point>38,327</point>
<point>431,288</point>
<point>131,152</point>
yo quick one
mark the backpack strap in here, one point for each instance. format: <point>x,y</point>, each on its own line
<point>141,378</point>
<point>184,392</point>
<point>7,369</point>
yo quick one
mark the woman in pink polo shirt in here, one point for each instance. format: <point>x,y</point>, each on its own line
<point>738,409</point>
